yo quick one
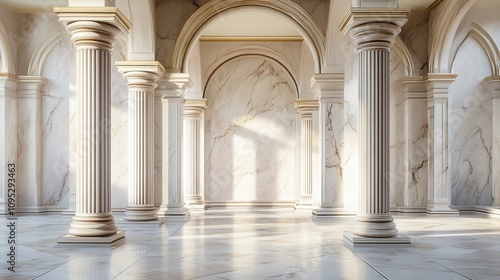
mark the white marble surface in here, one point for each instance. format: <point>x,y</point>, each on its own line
<point>261,244</point>
<point>470,125</point>
<point>334,144</point>
<point>250,133</point>
<point>397,173</point>
<point>55,127</point>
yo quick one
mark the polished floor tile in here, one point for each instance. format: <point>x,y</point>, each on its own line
<point>263,244</point>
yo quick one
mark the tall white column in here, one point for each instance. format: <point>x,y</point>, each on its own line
<point>306,107</point>
<point>439,158</point>
<point>93,33</point>
<point>142,77</point>
<point>29,99</point>
<point>415,139</point>
<point>8,137</point>
<point>172,88</point>
<point>193,194</point>
<point>374,32</point>
<point>494,82</point>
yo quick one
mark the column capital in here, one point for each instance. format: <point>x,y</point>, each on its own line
<point>329,85</point>
<point>438,84</point>
<point>494,82</point>
<point>194,107</point>
<point>374,28</point>
<point>8,82</point>
<point>109,15</point>
<point>142,75</point>
<point>306,107</point>
<point>414,87</point>
<point>174,84</point>
<point>30,86</point>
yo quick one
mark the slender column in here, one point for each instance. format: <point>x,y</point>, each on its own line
<point>494,82</point>
<point>8,138</point>
<point>93,33</point>
<point>172,87</point>
<point>374,32</point>
<point>29,98</point>
<point>305,109</point>
<point>415,138</point>
<point>193,194</point>
<point>439,159</point>
<point>142,77</point>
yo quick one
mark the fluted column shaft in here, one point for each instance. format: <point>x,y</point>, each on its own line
<point>142,79</point>
<point>193,194</point>
<point>93,32</point>
<point>374,37</point>
<point>305,109</point>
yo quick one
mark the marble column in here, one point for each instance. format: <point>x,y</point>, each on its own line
<point>306,107</point>
<point>331,122</point>
<point>172,87</point>
<point>439,197</point>
<point>374,32</point>
<point>192,153</point>
<point>142,77</point>
<point>93,32</point>
<point>8,136</point>
<point>29,103</point>
<point>494,82</point>
<point>415,139</point>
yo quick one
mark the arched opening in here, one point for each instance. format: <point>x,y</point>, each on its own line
<point>250,63</point>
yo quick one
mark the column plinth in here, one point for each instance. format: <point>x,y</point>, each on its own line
<point>93,34</point>
<point>193,193</point>
<point>142,77</point>
<point>374,32</point>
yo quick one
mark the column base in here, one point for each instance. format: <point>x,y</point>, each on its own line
<point>351,239</point>
<point>113,240</point>
<point>409,210</point>
<point>330,211</point>
<point>442,210</point>
<point>196,206</point>
<point>173,211</point>
<point>140,213</point>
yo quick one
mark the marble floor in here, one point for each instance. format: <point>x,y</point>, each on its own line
<point>258,244</point>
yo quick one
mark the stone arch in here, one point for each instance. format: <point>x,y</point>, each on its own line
<point>445,29</point>
<point>6,59</point>
<point>405,56</point>
<point>258,51</point>
<point>141,40</point>
<point>38,58</point>
<point>485,40</point>
<point>192,29</point>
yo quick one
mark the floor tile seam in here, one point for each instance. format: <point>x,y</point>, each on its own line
<point>439,263</point>
<point>123,270</point>
<point>367,263</point>
<point>57,266</point>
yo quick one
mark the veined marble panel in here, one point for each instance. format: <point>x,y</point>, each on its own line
<point>119,138</point>
<point>55,127</point>
<point>397,175</point>
<point>250,133</point>
<point>334,143</point>
<point>470,126</point>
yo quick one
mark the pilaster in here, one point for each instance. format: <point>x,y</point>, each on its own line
<point>439,158</point>
<point>193,153</point>
<point>8,136</point>
<point>305,108</point>
<point>494,82</point>
<point>29,133</point>
<point>331,120</point>
<point>415,139</point>
<point>142,77</point>
<point>374,32</point>
<point>93,32</point>
<point>172,88</point>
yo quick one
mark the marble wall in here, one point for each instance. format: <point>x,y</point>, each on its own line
<point>250,133</point>
<point>470,126</point>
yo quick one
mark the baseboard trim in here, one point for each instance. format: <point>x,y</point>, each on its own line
<point>251,204</point>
